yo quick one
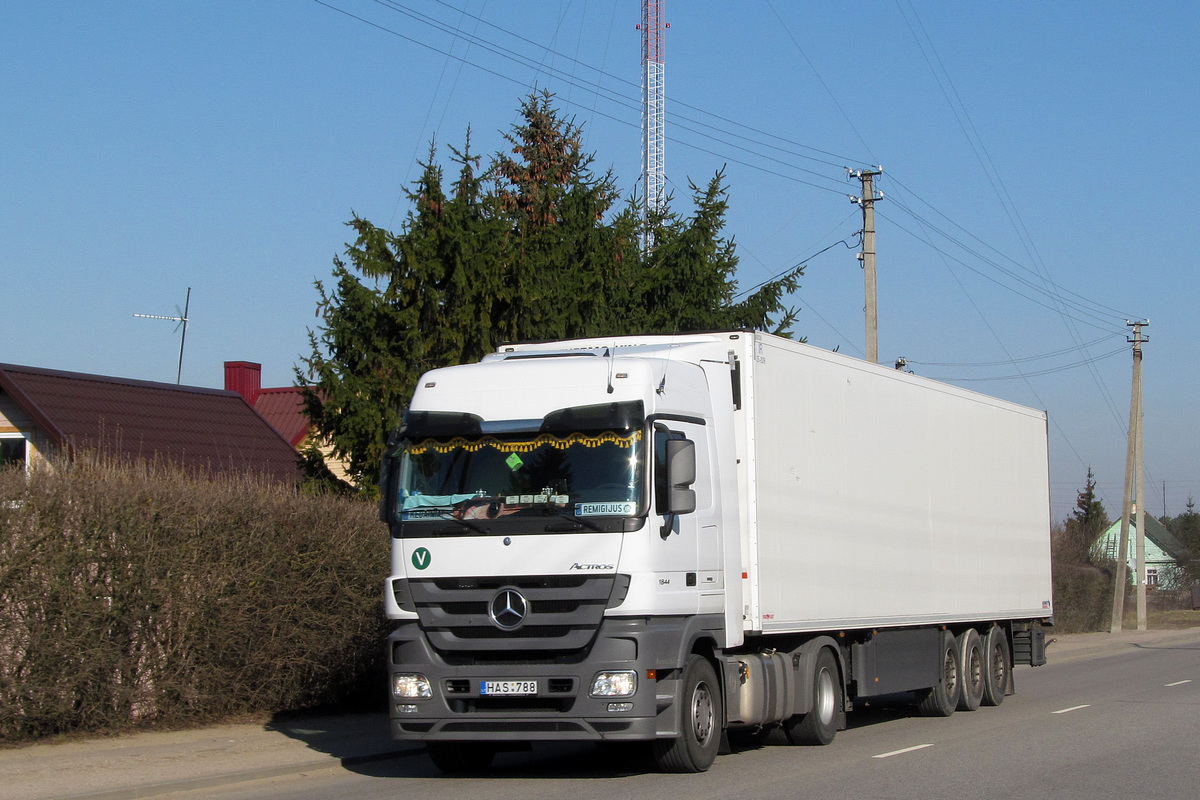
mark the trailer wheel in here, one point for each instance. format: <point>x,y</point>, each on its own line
<point>942,699</point>
<point>974,671</point>
<point>695,749</point>
<point>461,758</point>
<point>997,666</point>
<point>819,726</point>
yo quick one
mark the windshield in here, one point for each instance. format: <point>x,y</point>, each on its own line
<point>576,475</point>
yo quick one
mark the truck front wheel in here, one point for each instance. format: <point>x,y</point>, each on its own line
<point>695,749</point>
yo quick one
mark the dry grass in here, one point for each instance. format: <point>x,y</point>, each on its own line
<point>1164,620</point>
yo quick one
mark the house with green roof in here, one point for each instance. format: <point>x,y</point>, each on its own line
<point>1163,550</point>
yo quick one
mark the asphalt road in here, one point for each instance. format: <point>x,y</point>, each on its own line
<point>1097,725</point>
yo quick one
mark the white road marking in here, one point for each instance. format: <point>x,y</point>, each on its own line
<point>1072,708</point>
<point>905,750</point>
<point>1180,683</point>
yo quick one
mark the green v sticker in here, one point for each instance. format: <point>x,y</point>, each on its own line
<point>421,558</point>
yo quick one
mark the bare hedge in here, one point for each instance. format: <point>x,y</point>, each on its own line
<point>136,594</point>
<point>1082,581</point>
<point>1083,597</point>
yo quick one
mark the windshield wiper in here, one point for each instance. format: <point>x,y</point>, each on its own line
<point>587,523</point>
<point>465,523</point>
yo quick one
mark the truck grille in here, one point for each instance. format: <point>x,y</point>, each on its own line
<point>561,612</point>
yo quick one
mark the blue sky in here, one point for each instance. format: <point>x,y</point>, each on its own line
<point>1035,156</point>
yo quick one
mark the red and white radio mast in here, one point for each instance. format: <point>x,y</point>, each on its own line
<point>653,112</point>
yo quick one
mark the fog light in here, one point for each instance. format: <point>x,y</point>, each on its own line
<point>620,706</point>
<point>614,684</point>
<point>414,685</point>
<point>406,708</point>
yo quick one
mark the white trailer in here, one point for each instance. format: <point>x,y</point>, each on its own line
<point>666,538</point>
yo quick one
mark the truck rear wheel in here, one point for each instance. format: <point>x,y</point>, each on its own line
<point>461,758</point>
<point>996,666</point>
<point>695,749</point>
<point>974,672</point>
<point>819,725</point>
<point>942,698</point>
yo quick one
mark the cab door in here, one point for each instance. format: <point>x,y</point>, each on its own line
<point>690,543</point>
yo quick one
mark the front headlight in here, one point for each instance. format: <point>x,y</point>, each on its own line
<point>411,685</point>
<point>614,684</point>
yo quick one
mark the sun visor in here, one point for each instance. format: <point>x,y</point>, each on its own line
<point>427,424</point>
<point>618,416</point>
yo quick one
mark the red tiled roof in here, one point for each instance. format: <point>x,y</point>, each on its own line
<point>284,409</point>
<point>209,429</point>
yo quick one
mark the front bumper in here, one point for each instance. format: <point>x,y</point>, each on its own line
<point>562,708</point>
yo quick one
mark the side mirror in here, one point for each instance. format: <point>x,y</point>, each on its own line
<point>681,473</point>
<point>682,501</point>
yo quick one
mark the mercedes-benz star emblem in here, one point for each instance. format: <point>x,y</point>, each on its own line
<point>508,609</point>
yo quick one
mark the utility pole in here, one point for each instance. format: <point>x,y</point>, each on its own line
<point>653,113</point>
<point>1134,471</point>
<point>867,256</point>
<point>1140,467</point>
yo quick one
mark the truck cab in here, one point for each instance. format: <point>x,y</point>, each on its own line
<point>557,554</point>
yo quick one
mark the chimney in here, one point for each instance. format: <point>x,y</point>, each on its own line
<point>245,378</point>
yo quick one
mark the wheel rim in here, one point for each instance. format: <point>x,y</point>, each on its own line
<point>702,713</point>
<point>975,668</point>
<point>951,669</point>
<point>999,667</point>
<point>824,700</point>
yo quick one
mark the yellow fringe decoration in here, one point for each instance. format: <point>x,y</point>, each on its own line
<point>545,440</point>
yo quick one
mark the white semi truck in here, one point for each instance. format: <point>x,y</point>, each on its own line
<point>667,538</point>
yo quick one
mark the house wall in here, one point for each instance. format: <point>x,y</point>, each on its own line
<point>336,465</point>
<point>12,418</point>
<point>14,423</point>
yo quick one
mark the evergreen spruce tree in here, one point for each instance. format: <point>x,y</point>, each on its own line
<point>568,261</point>
<point>1186,528</point>
<point>1087,522</point>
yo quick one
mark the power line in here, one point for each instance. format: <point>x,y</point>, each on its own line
<point>796,266</point>
<point>1008,362</point>
<point>1103,323</point>
<point>1100,307</point>
<point>1035,374</point>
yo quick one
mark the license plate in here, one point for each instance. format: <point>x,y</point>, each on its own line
<point>508,687</point>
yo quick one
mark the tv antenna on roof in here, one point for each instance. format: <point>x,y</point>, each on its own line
<point>182,319</point>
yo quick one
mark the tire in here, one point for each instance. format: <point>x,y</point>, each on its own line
<point>997,666</point>
<point>701,720</point>
<point>819,726</point>
<point>974,669</point>
<point>461,758</point>
<point>941,700</point>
